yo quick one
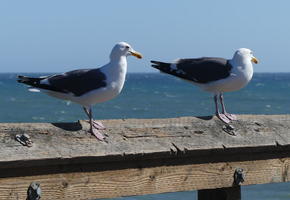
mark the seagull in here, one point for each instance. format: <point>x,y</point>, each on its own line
<point>214,75</point>
<point>88,87</point>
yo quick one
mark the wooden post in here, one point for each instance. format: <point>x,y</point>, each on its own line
<point>230,193</point>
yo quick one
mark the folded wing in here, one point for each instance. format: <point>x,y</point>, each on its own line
<point>77,82</point>
<point>199,70</point>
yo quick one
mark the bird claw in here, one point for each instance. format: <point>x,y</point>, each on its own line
<point>223,118</point>
<point>105,134</point>
<point>231,116</point>
<point>99,125</point>
<point>98,134</point>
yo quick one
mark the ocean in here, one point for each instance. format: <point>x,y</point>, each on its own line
<point>155,95</point>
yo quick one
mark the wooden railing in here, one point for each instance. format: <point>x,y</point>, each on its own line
<point>145,156</point>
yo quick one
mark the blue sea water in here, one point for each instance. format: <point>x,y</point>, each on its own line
<point>156,96</point>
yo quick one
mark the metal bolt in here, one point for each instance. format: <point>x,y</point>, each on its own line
<point>34,191</point>
<point>239,176</point>
<point>229,129</point>
<point>24,139</point>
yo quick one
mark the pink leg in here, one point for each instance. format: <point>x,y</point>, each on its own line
<point>99,125</point>
<point>228,115</point>
<point>95,126</point>
<point>221,116</point>
<point>96,133</point>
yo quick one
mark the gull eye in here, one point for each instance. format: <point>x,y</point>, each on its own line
<point>127,47</point>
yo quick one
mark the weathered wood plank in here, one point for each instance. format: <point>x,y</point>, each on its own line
<point>143,137</point>
<point>145,180</point>
<point>143,156</point>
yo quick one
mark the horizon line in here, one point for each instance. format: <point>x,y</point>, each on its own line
<point>127,72</point>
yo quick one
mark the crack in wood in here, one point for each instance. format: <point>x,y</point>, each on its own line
<point>155,136</point>
<point>178,150</point>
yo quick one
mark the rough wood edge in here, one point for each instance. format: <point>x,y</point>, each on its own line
<point>142,179</point>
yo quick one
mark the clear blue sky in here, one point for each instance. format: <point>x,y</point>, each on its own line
<point>56,36</point>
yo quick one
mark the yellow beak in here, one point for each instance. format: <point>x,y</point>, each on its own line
<point>255,60</point>
<point>136,54</point>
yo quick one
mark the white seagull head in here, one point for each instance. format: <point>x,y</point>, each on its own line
<point>124,49</point>
<point>244,54</point>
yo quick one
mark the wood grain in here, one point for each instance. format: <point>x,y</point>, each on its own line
<point>143,156</point>
<point>151,180</point>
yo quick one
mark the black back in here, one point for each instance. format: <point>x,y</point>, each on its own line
<point>199,70</point>
<point>78,82</point>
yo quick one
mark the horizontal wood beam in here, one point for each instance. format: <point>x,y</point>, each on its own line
<point>94,181</point>
<point>143,156</point>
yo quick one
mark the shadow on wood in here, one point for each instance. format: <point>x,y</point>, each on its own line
<point>69,126</point>
<point>143,156</point>
<point>205,117</point>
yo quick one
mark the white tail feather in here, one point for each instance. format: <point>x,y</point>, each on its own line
<point>33,90</point>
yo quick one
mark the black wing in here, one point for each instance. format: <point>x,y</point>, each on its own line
<point>199,70</point>
<point>77,82</point>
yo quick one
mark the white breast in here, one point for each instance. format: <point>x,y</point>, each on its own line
<point>240,76</point>
<point>115,79</point>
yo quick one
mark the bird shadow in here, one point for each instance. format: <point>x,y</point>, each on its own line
<point>204,117</point>
<point>72,126</point>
